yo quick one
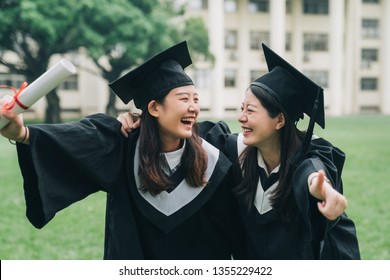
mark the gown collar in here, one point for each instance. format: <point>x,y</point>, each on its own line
<point>261,163</point>
<point>173,159</point>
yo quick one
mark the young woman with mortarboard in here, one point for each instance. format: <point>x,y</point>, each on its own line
<point>168,192</point>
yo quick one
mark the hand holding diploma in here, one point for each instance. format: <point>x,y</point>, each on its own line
<point>15,130</point>
<point>26,97</point>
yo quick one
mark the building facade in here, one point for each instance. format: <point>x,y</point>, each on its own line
<point>340,44</point>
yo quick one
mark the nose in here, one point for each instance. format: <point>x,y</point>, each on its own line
<point>193,107</point>
<point>242,117</point>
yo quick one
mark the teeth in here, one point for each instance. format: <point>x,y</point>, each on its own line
<point>246,129</point>
<point>186,120</point>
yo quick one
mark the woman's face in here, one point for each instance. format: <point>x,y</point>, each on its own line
<point>177,114</point>
<point>258,128</point>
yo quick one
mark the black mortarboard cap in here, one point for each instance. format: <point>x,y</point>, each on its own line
<point>156,77</point>
<point>296,92</point>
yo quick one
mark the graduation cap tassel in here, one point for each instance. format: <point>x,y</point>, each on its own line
<point>309,133</point>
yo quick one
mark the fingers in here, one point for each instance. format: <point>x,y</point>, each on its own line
<point>334,207</point>
<point>10,115</point>
<point>320,177</point>
<point>124,132</point>
<point>330,214</point>
<point>137,122</point>
<point>129,122</point>
<point>4,100</point>
<point>123,120</point>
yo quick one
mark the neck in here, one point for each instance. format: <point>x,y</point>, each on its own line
<point>170,145</point>
<point>271,157</point>
<point>271,162</point>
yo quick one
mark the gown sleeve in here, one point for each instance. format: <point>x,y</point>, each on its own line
<point>337,239</point>
<point>65,163</point>
<point>219,135</point>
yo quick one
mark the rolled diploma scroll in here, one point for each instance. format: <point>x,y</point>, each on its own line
<point>42,86</point>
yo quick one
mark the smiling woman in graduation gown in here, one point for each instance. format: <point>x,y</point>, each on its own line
<point>305,233</point>
<point>65,163</point>
<point>311,236</point>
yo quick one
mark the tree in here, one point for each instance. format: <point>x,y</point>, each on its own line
<point>196,33</point>
<point>117,34</point>
<point>35,31</point>
<point>142,28</point>
<point>123,31</point>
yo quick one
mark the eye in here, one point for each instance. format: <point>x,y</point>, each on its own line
<point>242,108</point>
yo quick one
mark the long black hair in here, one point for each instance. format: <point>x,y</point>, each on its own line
<point>153,178</point>
<point>290,140</point>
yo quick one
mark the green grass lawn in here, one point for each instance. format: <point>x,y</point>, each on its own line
<point>78,231</point>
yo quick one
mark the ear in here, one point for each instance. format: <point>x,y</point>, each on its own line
<point>281,121</point>
<point>153,108</point>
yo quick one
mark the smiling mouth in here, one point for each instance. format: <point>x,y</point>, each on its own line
<point>187,121</point>
<point>246,130</point>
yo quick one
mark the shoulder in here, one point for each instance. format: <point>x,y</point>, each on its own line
<point>101,119</point>
<point>216,159</point>
<point>327,152</point>
<point>213,153</point>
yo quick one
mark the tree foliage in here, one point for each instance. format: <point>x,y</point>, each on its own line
<point>117,34</point>
<point>35,31</point>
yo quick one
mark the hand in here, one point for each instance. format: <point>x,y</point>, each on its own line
<point>15,129</point>
<point>333,203</point>
<point>129,122</point>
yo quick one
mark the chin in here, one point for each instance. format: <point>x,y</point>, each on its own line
<point>247,142</point>
<point>185,134</point>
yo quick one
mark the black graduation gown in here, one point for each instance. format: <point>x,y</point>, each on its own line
<point>311,235</point>
<point>65,163</point>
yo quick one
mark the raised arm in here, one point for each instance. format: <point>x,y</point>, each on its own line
<point>332,203</point>
<point>15,130</point>
<point>129,122</point>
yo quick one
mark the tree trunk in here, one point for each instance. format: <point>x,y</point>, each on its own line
<point>53,109</point>
<point>111,109</point>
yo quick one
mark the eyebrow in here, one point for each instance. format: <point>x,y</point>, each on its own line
<point>249,104</point>
<point>186,92</point>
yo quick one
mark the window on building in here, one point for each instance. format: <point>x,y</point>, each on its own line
<point>369,84</point>
<point>202,78</point>
<point>70,83</point>
<point>288,41</point>
<point>288,6</point>
<point>230,6</point>
<point>317,7</point>
<point>370,28</point>
<point>369,109</point>
<point>231,39</point>
<point>368,56</point>
<point>197,5</point>
<point>371,1</point>
<point>258,37</point>
<point>315,42</point>
<point>256,6</point>
<point>230,78</point>
<point>320,77</point>
<point>254,74</point>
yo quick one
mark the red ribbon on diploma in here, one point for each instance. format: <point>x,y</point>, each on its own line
<point>15,99</point>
